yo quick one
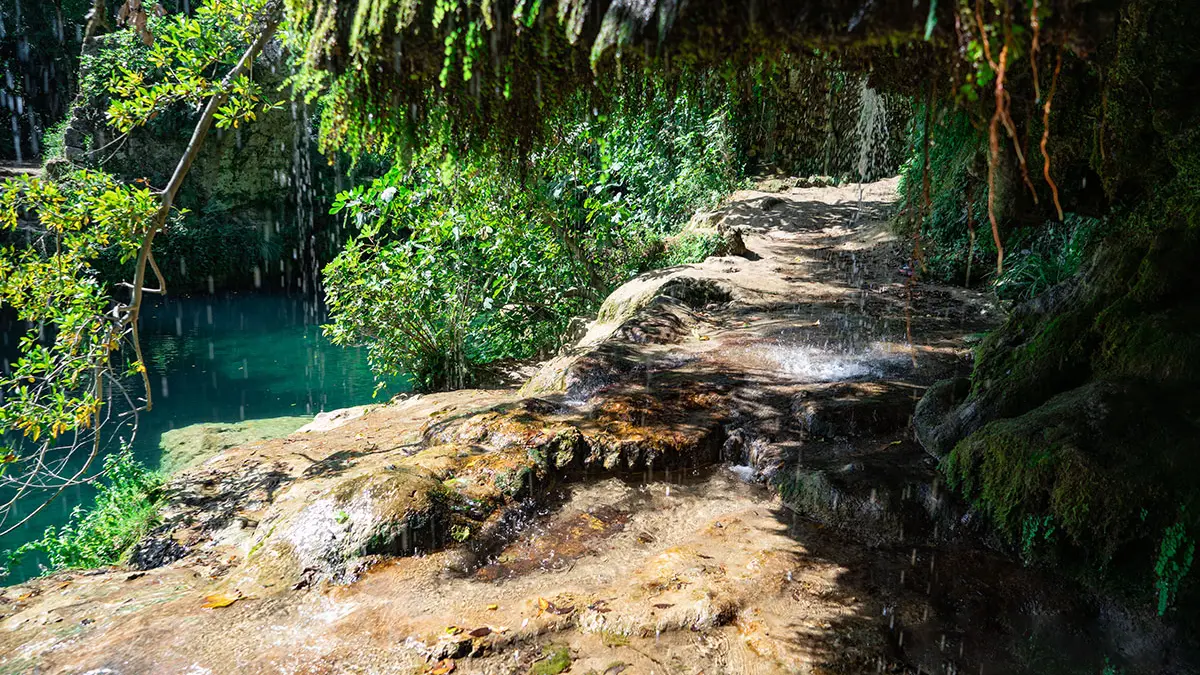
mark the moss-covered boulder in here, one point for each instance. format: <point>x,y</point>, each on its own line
<point>1080,437</point>
<point>1102,469</point>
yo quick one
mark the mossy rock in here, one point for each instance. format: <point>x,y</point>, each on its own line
<point>1110,464</point>
<point>189,446</point>
<point>1083,416</point>
<point>397,511</point>
<point>553,661</point>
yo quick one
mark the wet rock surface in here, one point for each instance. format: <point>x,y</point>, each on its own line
<point>721,475</point>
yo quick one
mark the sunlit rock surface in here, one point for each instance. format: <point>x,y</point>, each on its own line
<point>186,447</point>
<point>720,476</point>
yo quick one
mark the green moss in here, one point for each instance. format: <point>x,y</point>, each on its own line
<point>553,661</point>
<point>514,482</point>
<point>1031,358</point>
<point>188,446</point>
<point>1106,465</point>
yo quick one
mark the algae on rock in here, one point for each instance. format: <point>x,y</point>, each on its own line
<point>189,446</point>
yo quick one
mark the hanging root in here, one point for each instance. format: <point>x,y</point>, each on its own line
<point>908,286</point>
<point>1006,118</point>
<point>1046,134</point>
<point>926,180</point>
<point>994,132</point>
<point>918,256</point>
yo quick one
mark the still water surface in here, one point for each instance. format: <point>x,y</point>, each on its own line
<point>226,358</point>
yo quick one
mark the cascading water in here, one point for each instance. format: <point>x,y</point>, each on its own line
<point>871,134</point>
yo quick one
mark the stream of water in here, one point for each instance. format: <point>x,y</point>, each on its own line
<point>224,358</point>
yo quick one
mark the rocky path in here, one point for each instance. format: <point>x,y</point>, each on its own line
<point>720,477</point>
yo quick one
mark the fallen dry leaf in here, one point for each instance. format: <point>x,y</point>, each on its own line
<point>493,607</point>
<point>443,667</point>
<point>217,600</point>
<point>545,605</point>
<point>483,631</point>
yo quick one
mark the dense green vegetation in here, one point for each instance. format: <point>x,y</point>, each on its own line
<point>464,260</point>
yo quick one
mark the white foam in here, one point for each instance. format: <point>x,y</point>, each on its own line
<point>812,364</point>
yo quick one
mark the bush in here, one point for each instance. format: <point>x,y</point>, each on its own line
<point>446,276</point>
<point>956,152</point>
<point>691,247</point>
<point>52,140</point>
<point>126,507</point>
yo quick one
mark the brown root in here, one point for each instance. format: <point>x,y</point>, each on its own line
<point>1046,135</point>
<point>971,232</point>
<point>994,132</point>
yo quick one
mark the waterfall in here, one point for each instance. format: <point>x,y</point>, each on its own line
<point>871,133</point>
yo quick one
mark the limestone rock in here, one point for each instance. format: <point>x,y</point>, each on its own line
<point>713,223</point>
<point>190,446</point>
<point>392,512</point>
<point>332,419</point>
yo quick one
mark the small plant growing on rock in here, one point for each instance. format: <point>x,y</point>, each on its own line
<point>126,507</point>
<point>460,533</point>
<point>1033,529</point>
<point>553,661</point>
<point>1174,561</point>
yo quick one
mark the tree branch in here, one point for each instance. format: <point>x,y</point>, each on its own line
<point>272,15</point>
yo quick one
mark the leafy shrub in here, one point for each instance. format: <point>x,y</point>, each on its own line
<point>956,152</point>
<point>465,272</point>
<point>52,140</point>
<point>126,507</point>
<point>691,247</point>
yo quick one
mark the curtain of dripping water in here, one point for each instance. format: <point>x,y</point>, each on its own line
<point>11,101</point>
<point>307,261</point>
